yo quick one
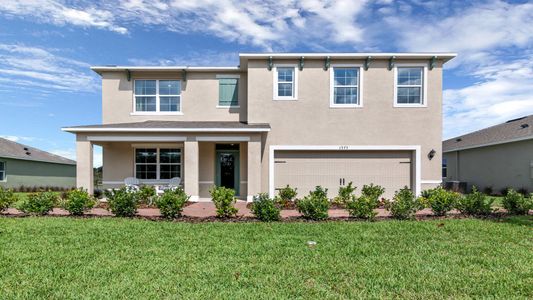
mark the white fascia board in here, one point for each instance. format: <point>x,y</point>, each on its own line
<point>74,130</point>
<point>490,144</point>
<point>223,138</point>
<point>107,138</point>
<point>420,55</point>
<point>161,68</point>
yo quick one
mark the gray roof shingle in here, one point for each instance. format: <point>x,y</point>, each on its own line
<point>512,130</point>
<point>10,149</point>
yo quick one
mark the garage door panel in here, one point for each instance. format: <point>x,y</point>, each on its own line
<point>307,169</point>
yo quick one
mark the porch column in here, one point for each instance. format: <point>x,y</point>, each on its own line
<point>254,167</point>
<point>191,169</point>
<point>84,164</point>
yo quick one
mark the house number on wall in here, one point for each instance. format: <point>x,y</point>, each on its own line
<point>343,147</point>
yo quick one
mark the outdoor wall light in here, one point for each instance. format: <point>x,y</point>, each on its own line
<point>431,154</point>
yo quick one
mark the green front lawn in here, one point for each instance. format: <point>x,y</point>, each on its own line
<point>51,257</point>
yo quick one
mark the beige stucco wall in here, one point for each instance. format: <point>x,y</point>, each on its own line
<point>310,120</point>
<point>498,166</point>
<point>199,97</point>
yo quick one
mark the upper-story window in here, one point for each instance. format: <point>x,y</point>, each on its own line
<point>2,171</point>
<point>157,96</point>
<point>228,90</point>
<point>345,90</point>
<point>285,83</point>
<point>410,86</point>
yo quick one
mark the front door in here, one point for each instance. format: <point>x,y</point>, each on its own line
<point>227,166</point>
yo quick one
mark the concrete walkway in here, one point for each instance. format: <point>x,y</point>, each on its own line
<point>207,210</point>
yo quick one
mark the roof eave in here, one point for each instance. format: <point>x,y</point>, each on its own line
<point>130,130</point>
<point>488,144</point>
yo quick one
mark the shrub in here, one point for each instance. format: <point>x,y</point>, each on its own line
<point>345,194</point>
<point>265,209</point>
<point>316,205</point>
<point>475,203</point>
<point>440,200</point>
<point>171,202</point>
<point>7,197</point>
<point>362,207</point>
<point>372,191</point>
<point>76,202</point>
<point>516,203</point>
<point>404,204</point>
<point>224,200</point>
<point>147,194</point>
<point>38,203</point>
<point>286,196</point>
<point>123,202</point>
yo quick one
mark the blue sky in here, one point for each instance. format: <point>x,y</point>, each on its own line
<point>47,46</point>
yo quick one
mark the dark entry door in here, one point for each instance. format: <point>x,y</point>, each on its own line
<point>227,169</point>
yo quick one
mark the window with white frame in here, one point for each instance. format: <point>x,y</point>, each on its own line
<point>2,171</point>
<point>345,89</point>
<point>157,163</point>
<point>410,86</point>
<point>285,83</point>
<point>162,96</point>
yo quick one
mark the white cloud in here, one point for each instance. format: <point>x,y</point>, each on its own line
<point>56,12</point>
<point>15,138</point>
<point>504,92</point>
<point>36,68</point>
<point>268,24</point>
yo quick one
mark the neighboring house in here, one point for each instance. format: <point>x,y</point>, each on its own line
<point>303,119</point>
<point>22,165</point>
<point>499,157</point>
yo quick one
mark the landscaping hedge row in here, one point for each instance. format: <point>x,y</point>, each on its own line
<point>125,202</point>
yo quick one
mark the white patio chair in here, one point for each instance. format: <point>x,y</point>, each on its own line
<point>132,183</point>
<point>174,182</point>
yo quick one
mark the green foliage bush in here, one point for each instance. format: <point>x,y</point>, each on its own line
<point>362,207</point>
<point>224,200</point>
<point>516,203</point>
<point>316,205</point>
<point>265,208</point>
<point>475,203</point>
<point>440,200</point>
<point>345,194</point>
<point>76,202</point>
<point>372,191</point>
<point>123,202</point>
<point>172,202</point>
<point>38,203</point>
<point>7,197</point>
<point>286,196</point>
<point>147,194</point>
<point>404,204</point>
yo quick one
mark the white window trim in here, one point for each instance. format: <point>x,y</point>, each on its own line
<point>229,76</point>
<point>424,84</point>
<point>157,100</point>
<point>295,82</point>
<point>158,164</point>
<point>4,171</point>
<point>332,103</point>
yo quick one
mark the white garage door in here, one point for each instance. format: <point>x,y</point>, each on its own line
<point>332,169</point>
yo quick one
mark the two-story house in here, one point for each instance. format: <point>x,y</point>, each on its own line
<point>303,119</point>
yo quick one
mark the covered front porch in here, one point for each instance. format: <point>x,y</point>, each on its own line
<point>201,157</point>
